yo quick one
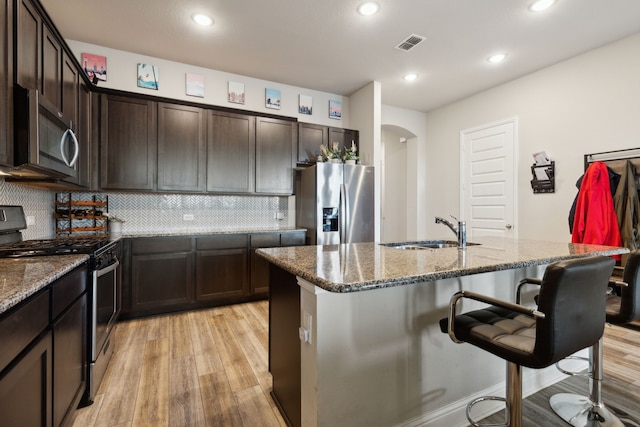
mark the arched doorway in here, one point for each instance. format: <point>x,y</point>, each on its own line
<point>395,141</point>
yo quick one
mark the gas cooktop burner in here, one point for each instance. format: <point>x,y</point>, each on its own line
<point>60,246</point>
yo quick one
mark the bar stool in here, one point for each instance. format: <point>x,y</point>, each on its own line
<point>582,411</point>
<point>570,316</point>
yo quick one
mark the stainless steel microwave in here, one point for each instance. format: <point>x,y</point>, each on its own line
<point>45,144</point>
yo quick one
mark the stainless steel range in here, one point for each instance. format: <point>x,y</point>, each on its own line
<point>104,292</point>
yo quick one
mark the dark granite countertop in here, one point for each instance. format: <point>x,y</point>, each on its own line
<point>22,277</point>
<point>364,266</point>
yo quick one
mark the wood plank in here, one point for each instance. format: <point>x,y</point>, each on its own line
<point>153,409</point>
<point>185,402</point>
<point>221,409</point>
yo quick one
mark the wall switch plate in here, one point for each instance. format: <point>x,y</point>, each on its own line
<point>279,216</point>
<point>187,217</point>
<point>31,220</point>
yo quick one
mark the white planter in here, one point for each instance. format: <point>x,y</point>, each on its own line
<point>336,161</point>
<point>115,229</point>
<point>349,162</point>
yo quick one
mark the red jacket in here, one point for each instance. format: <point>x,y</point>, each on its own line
<point>596,221</point>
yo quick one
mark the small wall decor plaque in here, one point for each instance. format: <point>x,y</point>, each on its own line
<point>95,67</point>
<point>305,104</point>
<point>335,109</point>
<point>272,98</point>
<point>236,93</point>
<point>195,85</point>
<point>148,76</point>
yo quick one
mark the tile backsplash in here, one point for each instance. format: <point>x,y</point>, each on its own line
<point>145,213</point>
<point>149,213</point>
<point>37,203</point>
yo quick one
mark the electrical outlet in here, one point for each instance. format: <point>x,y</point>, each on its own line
<point>279,216</point>
<point>187,217</point>
<point>31,220</point>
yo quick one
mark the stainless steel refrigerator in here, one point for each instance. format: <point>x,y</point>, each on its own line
<point>334,202</point>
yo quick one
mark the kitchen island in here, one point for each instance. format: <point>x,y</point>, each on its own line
<point>354,334</point>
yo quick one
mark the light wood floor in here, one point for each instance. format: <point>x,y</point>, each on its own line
<point>198,368</point>
<point>209,368</point>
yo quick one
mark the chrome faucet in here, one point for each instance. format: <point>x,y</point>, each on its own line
<point>460,230</point>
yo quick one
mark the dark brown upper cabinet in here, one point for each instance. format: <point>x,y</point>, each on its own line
<point>51,88</point>
<point>344,137</point>
<point>128,143</point>
<point>310,138</point>
<point>231,141</point>
<point>6,83</point>
<point>28,36</point>
<point>181,148</point>
<point>275,142</point>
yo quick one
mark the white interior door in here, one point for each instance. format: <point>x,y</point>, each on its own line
<point>488,177</point>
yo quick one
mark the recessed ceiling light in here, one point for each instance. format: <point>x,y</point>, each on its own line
<point>497,58</point>
<point>410,77</point>
<point>541,5</point>
<point>202,19</point>
<point>368,8</point>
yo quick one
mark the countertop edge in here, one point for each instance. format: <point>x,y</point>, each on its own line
<point>347,287</point>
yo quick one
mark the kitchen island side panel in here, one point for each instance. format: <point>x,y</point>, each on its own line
<point>378,358</point>
<point>284,344</point>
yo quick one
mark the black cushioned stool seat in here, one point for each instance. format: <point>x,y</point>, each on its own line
<point>570,316</point>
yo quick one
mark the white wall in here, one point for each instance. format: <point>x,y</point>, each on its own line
<point>412,124</point>
<point>122,75</point>
<point>585,104</point>
<point>366,117</point>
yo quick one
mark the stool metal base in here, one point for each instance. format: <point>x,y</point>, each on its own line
<point>580,411</point>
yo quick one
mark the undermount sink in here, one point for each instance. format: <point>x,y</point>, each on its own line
<point>426,244</point>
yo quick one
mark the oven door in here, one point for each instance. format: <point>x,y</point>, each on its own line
<point>105,305</point>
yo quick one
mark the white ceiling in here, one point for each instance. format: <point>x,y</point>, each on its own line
<point>326,45</point>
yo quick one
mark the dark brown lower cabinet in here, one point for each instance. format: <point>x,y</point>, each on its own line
<point>221,275</point>
<point>25,388</point>
<point>161,275</point>
<point>43,355</point>
<point>69,363</point>
<point>166,274</point>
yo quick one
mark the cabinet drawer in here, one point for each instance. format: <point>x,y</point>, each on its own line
<point>67,289</point>
<point>293,238</point>
<point>222,241</point>
<point>265,240</point>
<point>20,327</point>
<point>159,245</point>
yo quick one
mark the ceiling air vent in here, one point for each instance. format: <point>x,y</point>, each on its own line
<point>410,42</point>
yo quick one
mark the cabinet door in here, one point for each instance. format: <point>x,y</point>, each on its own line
<point>230,152</point>
<point>28,43</point>
<point>259,273</point>
<point>70,90</point>
<point>51,68</point>
<point>275,142</point>
<point>6,83</point>
<point>221,275</point>
<point>344,137</point>
<point>25,388</point>
<point>83,133</point>
<point>70,360</point>
<point>128,143</point>
<point>310,138</point>
<point>161,275</point>
<point>181,148</point>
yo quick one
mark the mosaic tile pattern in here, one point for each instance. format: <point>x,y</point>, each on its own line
<point>145,213</point>
<point>148,213</point>
<point>36,202</point>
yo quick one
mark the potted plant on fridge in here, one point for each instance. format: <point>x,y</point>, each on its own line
<point>351,154</point>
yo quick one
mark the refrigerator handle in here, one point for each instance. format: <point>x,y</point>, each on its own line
<point>343,213</point>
